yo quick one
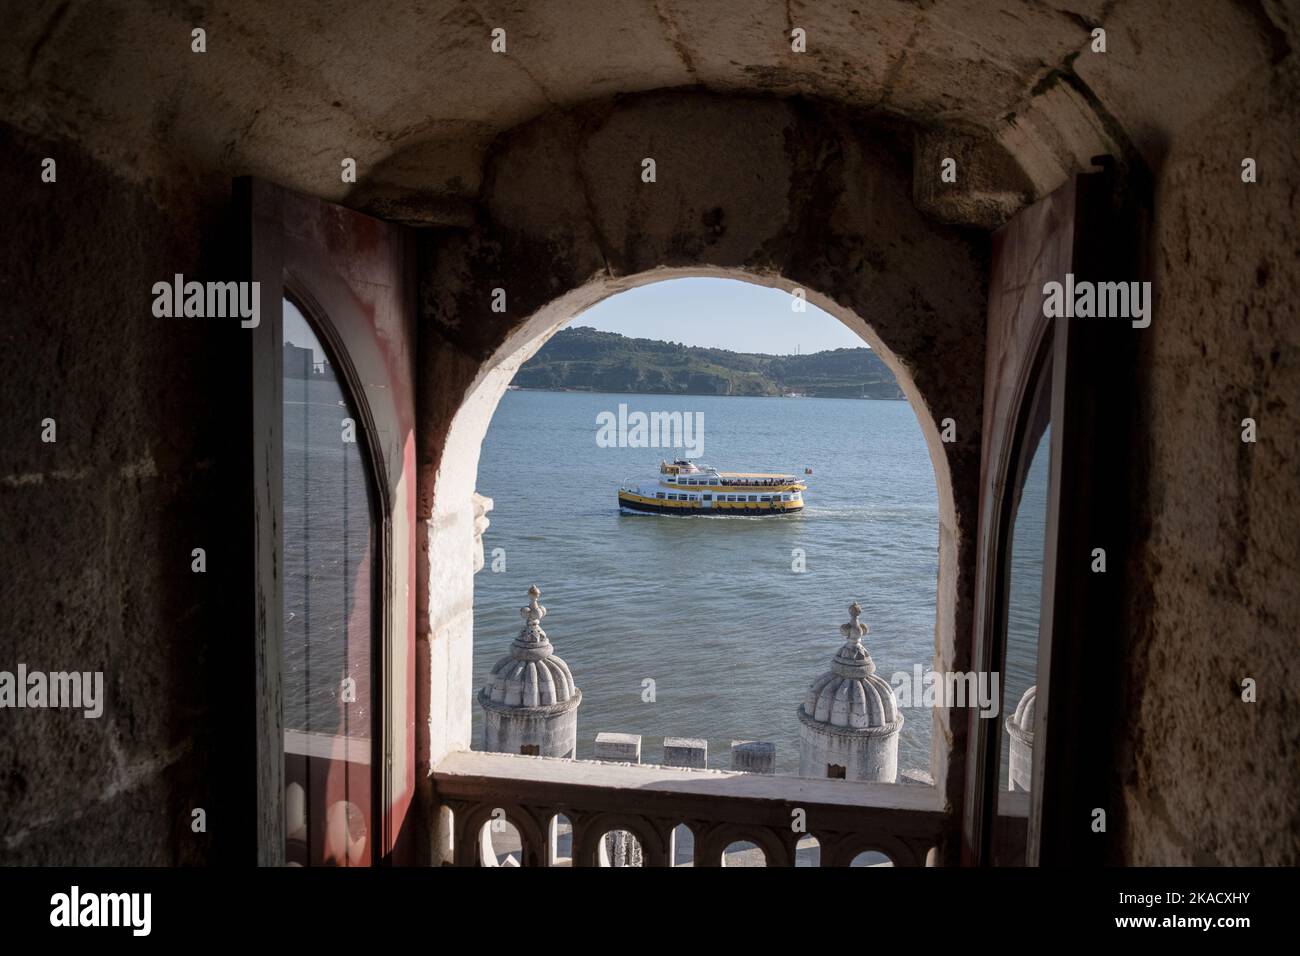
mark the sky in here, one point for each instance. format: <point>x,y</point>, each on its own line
<point>719,313</point>
<point>714,313</point>
<point>298,332</point>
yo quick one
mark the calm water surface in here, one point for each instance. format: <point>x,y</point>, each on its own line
<point>709,608</point>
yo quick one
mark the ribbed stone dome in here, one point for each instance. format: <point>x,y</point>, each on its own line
<point>1022,721</point>
<point>851,695</point>
<point>531,675</point>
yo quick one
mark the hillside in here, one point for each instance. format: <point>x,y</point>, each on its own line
<point>587,360</point>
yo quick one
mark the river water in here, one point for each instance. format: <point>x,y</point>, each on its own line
<point>713,609</point>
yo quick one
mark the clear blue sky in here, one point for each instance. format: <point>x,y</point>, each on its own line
<point>719,313</point>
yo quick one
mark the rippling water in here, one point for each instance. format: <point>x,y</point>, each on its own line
<point>709,608</point>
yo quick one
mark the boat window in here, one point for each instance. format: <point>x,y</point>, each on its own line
<point>660,494</point>
<point>753,497</point>
<point>708,497</point>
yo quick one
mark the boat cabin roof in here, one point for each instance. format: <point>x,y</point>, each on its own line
<point>685,468</point>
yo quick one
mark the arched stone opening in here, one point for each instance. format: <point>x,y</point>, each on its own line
<point>812,201</point>
<point>469,427</point>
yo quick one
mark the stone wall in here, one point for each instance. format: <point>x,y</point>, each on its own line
<point>1209,778</point>
<point>98,526</point>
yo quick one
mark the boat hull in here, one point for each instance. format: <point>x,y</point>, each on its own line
<point>727,510</point>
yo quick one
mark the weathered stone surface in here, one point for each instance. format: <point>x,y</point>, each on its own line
<point>416,96</point>
<point>686,752</point>
<point>98,526</point>
<point>753,756</point>
<point>1213,779</point>
<point>625,748</point>
<point>1155,82</point>
<point>989,188</point>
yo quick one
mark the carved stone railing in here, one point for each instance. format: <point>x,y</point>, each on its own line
<point>721,808</point>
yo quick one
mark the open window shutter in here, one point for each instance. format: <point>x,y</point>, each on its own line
<point>1082,370</point>
<point>354,279</point>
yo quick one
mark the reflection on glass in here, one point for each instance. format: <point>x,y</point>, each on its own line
<point>328,557</point>
<point>1023,605</point>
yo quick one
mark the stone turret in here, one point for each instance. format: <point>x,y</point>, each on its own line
<point>1020,727</point>
<point>849,720</point>
<point>530,702</point>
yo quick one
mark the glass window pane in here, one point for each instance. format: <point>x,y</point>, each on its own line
<point>328,615</point>
<point>1020,667</point>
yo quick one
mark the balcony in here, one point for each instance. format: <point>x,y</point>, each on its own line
<point>904,822</point>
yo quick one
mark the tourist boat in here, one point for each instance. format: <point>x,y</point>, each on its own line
<point>685,488</point>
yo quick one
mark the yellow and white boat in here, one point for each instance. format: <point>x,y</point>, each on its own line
<point>685,488</point>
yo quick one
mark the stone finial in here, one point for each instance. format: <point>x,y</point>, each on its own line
<point>532,639</point>
<point>854,630</point>
<point>534,612</point>
<point>852,659</point>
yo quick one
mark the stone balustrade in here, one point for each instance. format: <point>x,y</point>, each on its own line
<point>650,802</point>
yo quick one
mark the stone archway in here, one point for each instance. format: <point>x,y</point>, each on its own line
<point>779,193</point>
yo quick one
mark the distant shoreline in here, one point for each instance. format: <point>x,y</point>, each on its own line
<point>592,391</point>
<point>582,359</point>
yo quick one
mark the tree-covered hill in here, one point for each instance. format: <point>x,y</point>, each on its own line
<point>588,360</point>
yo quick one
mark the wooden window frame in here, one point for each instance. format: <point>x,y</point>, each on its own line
<point>282,240</point>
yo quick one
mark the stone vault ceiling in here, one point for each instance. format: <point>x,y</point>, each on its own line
<point>412,91</point>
